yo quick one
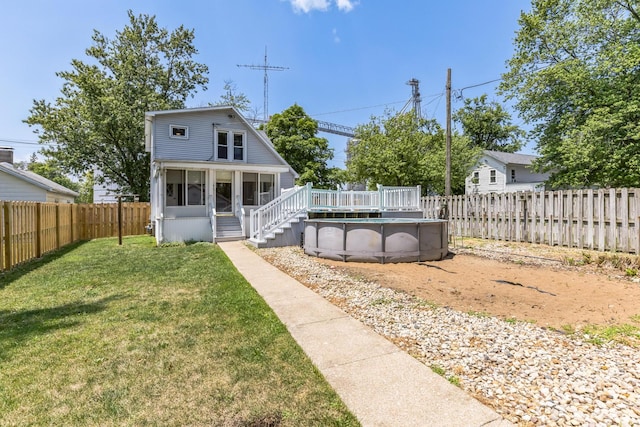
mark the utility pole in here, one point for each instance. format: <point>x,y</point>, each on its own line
<point>447,176</point>
<point>266,67</point>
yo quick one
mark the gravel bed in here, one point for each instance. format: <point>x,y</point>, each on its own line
<point>528,374</point>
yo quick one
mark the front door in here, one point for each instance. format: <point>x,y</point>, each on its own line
<point>224,192</point>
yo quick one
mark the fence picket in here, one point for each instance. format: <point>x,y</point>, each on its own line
<point>30,229</point>
<point>606,220</point>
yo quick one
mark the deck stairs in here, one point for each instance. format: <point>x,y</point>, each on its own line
<point>228,228</point>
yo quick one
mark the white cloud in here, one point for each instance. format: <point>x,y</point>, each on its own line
<point>346,5</point>
<point>336,38</point>
<point>306,6</point>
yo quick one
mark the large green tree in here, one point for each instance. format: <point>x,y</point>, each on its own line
<point>293,134</point>
<point>488,125</point>
<point>575,76</point>
<point>98,120</point>
<point>400,150</point>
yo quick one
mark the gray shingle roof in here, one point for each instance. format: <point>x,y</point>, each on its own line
<point>37,180</point>
<point>511,158</point>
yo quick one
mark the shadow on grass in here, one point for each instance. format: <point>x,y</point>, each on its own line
<point>17,327</point>
<point>17,272</point>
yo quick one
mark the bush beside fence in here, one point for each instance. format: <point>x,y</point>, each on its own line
<point>30,229</point>
<point>604,220</point>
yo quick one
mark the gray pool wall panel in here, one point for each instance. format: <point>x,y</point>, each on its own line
<point>376,240</point>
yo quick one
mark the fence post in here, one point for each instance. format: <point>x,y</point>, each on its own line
<point>38,229</point>
<point>8,261</point>
<point>57,226</point>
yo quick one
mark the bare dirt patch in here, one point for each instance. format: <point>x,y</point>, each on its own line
<point>553,287</point>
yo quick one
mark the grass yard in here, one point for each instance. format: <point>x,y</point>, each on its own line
<point>99,334</point>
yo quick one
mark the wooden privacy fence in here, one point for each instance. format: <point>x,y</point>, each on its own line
<point>604,220</point>
<point>30,229</point>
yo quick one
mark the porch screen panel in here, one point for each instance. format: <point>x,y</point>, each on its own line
<point>195,188</point>
<point>267,188</point>
<point>175,187</point>
<point>249,188</point>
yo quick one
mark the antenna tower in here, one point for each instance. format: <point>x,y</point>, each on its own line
<point>415,97</point>
<point>266,67</point>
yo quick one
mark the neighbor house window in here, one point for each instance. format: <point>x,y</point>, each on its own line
<point>185,188</point>
<point>513,175</point>
<point>492,176</point>
<point>223,145</point>
<point>257,188</point>
<point>476,177</point>
<point>180,132</point>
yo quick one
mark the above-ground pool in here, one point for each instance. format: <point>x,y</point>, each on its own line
<point>380,240</point>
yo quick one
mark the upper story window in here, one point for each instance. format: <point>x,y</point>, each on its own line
<point>238,146</point>
<point>226,151</point>
<point>223,145</point>
<point>178,131</point>
<point>492,176</point>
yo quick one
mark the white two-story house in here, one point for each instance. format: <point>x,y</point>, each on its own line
<point>209,168</point>
<point>499,172</point>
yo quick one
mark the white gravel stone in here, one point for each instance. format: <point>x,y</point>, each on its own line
<point>531,375</point>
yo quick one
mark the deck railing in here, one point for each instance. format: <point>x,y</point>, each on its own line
<point>277,212</point>
<point>291,203</point>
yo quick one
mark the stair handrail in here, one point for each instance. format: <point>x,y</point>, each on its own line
<point>212,208</point>
<point>277,212</point>
<point>239,213</point>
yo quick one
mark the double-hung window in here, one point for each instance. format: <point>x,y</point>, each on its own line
<point>238,146</point>
<point>223,145</point>
<point>231,146</point>
<point>492,176</point>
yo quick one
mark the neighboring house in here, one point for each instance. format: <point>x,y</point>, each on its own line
<point>106,192</point>
<point>21,185</point>
<point>209,168</point>
<point>498,172</point>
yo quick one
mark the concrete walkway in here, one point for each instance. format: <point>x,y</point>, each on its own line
<point>381,384</point>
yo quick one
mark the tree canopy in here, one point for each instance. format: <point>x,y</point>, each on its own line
<point>293,134</point>
<point>98,120</point>
<point>488,125</point>
<point>400,150</point>
<point>575,76</point>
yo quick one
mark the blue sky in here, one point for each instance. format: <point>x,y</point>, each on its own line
<point>347,59</point>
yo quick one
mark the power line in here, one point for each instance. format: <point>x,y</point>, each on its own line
<point>24,142</point>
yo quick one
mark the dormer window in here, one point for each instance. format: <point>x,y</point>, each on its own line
<point>179,132</point>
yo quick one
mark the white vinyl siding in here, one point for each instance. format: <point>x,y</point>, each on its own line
<point>201,143</point>
<point>12,188</point>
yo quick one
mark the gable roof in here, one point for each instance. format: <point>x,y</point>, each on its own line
<point>511,158</point>
<point>37,180</point>
<point>261,135</point>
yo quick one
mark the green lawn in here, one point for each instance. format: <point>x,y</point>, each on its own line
<point>142,335</point>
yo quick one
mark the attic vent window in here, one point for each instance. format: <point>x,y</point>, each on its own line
<point>180,132</point>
